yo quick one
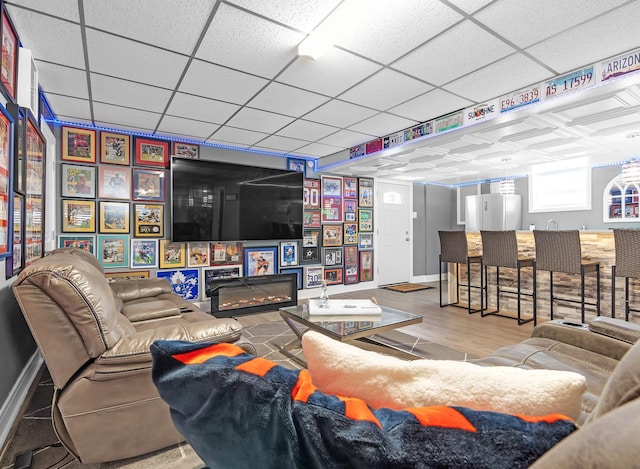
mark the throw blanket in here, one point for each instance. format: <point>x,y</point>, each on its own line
<point>240,411</point>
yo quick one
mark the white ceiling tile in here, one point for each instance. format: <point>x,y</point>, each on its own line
<point>287,100</point>
<point>141,63</point>
<point>564,54</point>
<point>282,144</point>
<point>331,74</point>
<point>468,47</point>
<point>503,17</point>
<point>339,113</point>
<point>62,80</point>
<point>385,89</point>
<point>160,22</point>
<point>117,127</point>
<point>397,29</point>
<point>345,138</point>
<point>482,85</point>
<point>469,6</point>
<point>262,121</point>
<point>204,109</point>
<point>67,9</point>
<point>126,93</point>
<point>381,123</point>
<point>69,107</point>
<point>307,130</point>
<point>212,81</point>
<point>179,125</point>
<point>235,136</point>
<point>303,15</point>
<point>49,39</point>
<point>430,105</point>
<point>245,42</point>
<point>123,116</point>
<point>318,149</point>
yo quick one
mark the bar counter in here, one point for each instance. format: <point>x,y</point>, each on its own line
<point>596,246</point>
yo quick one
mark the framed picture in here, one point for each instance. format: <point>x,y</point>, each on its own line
<point>311,219</point>
<point>331,199</point>
<point>171,254</point>
<point>114,217</point>
<point>78,145</point>
<point>15,263</point>
<point>78,181</point>
<point>126,275</point>
<point>332,256</point>
<point>6,196</point>
<point>220,273</point>
<point>310,255</point>
<point>34,201</point>
<point>223,253</point>
<point>260,261</point>
<point>350,265</point>
<point>151,152</point>
<point>350,188</point>
<point>114,182</point>
<point>148,184</point>
<point>350,210</point>
<point>144,253</point>
<point>88,243</point>
<point>333,276</point>
<point>310,238</point>
<point>366,266</point>
<point>185,282</point>
<point>299,271</point>
<point>9,69</point>
<point>198,254</point>
<point>365,220</point>
<point>78,216</point>
<point>295,164</point>
<point>115,148</point>
<point>311,194</point>
<point>148,220</point>
<point>365,192</point>
<point>332,235</point>
<point>113,250</point>
<point>350,233</point>
<point>288,253</point>
<point>313,276</point>
<point>19,147</point>
<point>365,240</point>
<point>186,150</point>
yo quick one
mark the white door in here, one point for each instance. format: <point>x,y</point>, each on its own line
<point>394,251</point>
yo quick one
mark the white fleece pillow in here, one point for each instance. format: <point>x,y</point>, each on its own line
<point>384,381</point>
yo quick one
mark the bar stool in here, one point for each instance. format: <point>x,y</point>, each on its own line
<point>454,250</point>
<point>627,265</point>
<point>500,249</point>
<point>560,251</point>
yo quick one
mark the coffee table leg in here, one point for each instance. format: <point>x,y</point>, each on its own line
<point>293,343</point>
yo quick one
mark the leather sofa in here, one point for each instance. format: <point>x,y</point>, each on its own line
<point>94,336</point>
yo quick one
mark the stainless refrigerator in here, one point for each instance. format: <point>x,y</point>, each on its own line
<point>493,212</point>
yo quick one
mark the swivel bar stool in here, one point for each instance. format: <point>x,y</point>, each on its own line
<point>500,249</point>
<point>560,251</point>
<point>454,250</point>
<point>627,265</point>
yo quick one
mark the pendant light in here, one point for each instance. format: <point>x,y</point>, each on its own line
<point>631,169</point>
<point>507,185</point>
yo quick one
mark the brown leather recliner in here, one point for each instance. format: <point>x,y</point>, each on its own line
<point>95,342</point>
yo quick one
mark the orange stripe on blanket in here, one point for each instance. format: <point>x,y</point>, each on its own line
<point>551,418</point>
<point>357,409</point>
<point>441,416</point>
<point>303,388</point>
<point>258,366</point>
<point>202,355</point>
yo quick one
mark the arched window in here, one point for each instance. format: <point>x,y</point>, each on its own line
<point>620,201</point>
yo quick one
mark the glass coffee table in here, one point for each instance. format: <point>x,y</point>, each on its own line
<point>355,329</point>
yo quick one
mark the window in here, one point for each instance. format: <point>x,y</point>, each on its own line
<point>619,207</point>
<point>560,191</point>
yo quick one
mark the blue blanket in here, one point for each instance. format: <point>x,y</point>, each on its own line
<point>240,411</point>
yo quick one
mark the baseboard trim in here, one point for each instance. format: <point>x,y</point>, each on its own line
<point>11,407</point>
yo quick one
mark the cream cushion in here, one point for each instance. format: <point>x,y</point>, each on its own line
<point>385,381</point>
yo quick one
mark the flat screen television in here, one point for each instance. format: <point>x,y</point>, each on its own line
<point>213,201</point>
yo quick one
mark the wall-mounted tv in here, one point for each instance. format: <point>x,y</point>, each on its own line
<point>213,201</point>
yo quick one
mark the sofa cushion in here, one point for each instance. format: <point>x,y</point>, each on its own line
<point>237,410</point>
<point>385,381</point>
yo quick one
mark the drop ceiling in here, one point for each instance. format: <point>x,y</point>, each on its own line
<point>227,73</point>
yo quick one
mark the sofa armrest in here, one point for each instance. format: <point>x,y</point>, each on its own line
<point>580,335</point>
<point>150,310</point>
<point>128,290</point>
<point>616,328</point>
